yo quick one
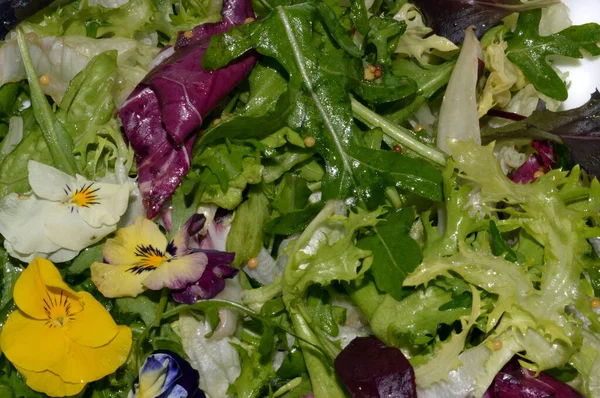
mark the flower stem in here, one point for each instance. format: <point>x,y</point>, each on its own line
<point>404,136</point>
<point>158,317</point>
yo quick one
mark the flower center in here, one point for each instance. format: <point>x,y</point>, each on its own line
<point>150,258</point>
<point>58,310</point>
<point>83,197</point>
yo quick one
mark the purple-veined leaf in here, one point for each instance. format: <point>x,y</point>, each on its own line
<point>161,116</point>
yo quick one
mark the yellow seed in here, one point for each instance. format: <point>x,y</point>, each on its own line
<point>595,303</point>
<point>369,74</point>
<point>216,121</point>
<point>497,345</point>
<point>418,128</point>
<point>188,34</point>
<point>310,142</point>
<point>253,263</point>
<point>372,68</point>
<point>538,174</point>
<point>249,20</point>
<point>44,80</point>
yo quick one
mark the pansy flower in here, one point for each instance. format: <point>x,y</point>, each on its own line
<point>140,257</point>
<point>61,216</point>
<point>59,339</point>
<point>166,375</point>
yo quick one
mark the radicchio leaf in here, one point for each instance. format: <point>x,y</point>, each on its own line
<point>162,114</point>
<point>370,369</point>
<point>542,160</point>
<point>578,129</point>
<point>514,381</point>
<point>450,18</point>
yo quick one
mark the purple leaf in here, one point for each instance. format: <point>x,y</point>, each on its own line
<point>514,381</point>
<point>450,18</point>
<point>370,369</point>
<point>578,129</point>
<point>543,160</point>
<point>162,115</point>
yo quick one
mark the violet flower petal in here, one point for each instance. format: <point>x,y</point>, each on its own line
<point>181,380</point>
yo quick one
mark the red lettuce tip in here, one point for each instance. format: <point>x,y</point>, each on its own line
<point>369,368</point>
<point>450,18</point>
<point>514,381</point>
<point>162,115</point>
<point>538,163</point>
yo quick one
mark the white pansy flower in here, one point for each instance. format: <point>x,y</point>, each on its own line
<point>61,216</point>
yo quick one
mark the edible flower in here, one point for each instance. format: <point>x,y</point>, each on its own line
<point>59,339</point>
<point>61,216</point>
<point>140,257</point>
<point>167,375</point>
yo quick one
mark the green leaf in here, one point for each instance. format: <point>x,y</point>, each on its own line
<point>253,381</point>
<point>245,237</point>
<point>293,364</point>
<point>58,140</point>
<point>337,31</point>
<point>528,50</point>
<point>293,222</point>
<point>13,169</point>
<point>88,103</point>
<point>384,34</point>
<point>319,107</point>
<point>395,252</point>
<point>318,306</point>
<point>85,258</point>
<point>360,16</point>
<point>141,306</point>
<point>292,194</point>
<point>10,274</point>
<point>499,245</point>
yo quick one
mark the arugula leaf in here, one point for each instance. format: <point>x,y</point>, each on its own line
<point>395,252</point>
<point>58,140</point>
<point>528,50</point>
<point>319,107</point>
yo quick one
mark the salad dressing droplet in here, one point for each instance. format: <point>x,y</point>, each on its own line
<point>310,141</point>
<point>44,80</point>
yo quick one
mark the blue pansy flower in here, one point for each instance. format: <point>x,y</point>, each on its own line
<point>166,375</point>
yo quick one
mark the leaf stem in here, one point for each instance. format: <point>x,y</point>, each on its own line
<point>158,317</point>
<point>60,144</point>
<point>396,132</point>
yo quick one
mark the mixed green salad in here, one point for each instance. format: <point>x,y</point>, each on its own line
<point>290,198</point>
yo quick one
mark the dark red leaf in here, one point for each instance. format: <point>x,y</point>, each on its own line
<point>370,369</point>
<point>162,115</point>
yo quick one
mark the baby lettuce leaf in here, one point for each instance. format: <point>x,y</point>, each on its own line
<point>395,253</point>
<point>450,18</point>
<point>319,106</point>
<point>578,129</point>
<point>161,115</point>
<point>528,50</point>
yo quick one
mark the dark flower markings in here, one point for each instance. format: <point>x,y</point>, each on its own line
<point>82,197</point>
<point>50,303</point>
<point>148,253</point>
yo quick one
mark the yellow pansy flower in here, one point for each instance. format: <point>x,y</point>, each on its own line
<point>59,339</point>
<point>140,257</point>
